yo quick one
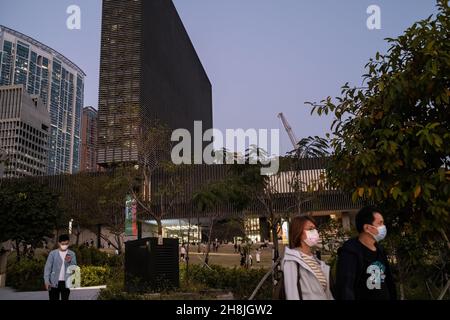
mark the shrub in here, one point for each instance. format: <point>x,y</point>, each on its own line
<point>26,275</point>
<point>94,257</point>
<point>241,282</point>
<point>115,287</point>
<point>92,276</point>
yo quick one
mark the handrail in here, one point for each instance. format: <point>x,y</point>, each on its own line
<point>264,279</point>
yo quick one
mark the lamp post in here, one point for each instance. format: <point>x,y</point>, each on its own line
<point>70,226</point>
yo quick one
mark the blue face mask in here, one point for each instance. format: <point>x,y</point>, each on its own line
<point>382,232</point>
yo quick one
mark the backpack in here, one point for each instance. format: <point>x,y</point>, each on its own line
<point>279,291</point>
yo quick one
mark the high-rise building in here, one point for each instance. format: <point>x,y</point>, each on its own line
<point>58,82</point>
<point>89,140</point>
<point>24,132</point>
<point>149,70</point>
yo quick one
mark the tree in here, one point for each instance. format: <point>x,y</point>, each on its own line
<point>227,229</point>
<point>154,147</point>
<point>307,148</point>
<point>391,137</point>
<point>252,187</point>
<point>111,203</point>
<point>98,199</point>
<point>28,213</point>
<point>81,203</point>
<point>207,200</point>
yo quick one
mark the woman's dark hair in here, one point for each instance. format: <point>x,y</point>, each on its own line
<point>365,216</point>
<point>296,230</point>
<point>63,237</point>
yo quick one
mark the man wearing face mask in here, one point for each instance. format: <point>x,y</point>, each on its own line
<point>363,271</point>
<point>55,272</point>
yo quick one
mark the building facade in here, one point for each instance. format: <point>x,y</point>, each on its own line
<point>24,132</point>
<point>60,85</point>
<point>149,70</point>
<point>89,140</point>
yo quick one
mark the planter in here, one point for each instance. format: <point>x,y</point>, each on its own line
<point>150,267</point>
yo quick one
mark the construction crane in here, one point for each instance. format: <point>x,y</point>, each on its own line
<point>289,130</point>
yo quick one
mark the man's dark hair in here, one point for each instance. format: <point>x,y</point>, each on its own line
<point>64,237</point>
<point>365,216</point>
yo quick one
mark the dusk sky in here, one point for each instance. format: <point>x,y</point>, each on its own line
<point>262,56</point>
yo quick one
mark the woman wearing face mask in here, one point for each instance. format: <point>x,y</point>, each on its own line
<point>305,276</point>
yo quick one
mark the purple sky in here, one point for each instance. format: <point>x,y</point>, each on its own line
<point>262,56</point>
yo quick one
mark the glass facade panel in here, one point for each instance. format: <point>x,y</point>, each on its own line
<point>22,61</point>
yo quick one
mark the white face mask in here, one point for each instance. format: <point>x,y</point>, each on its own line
<point>64,247</point>
<point>382,232</point>
<point>312,238</point>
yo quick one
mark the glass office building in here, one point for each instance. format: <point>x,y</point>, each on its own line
<point>60,85</point>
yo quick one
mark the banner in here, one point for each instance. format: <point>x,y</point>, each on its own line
<point>130,217</point>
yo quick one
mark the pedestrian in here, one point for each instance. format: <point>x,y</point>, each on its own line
<point>55,271</point>
<point>203,248</point>
<point>258,255</point>
<point>305,276</point>
<point>183,253</point>
<point>363,271</point>
<point>242,259</point>
<point>250,259</point>
<point>235,247</point>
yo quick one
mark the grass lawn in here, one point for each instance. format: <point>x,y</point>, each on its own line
<point>226,257</point>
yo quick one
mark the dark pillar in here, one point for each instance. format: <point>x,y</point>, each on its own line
<point>99,238</point>
<point>139,226</point>
<point>264,231</point>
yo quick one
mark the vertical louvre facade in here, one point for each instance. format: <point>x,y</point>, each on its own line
<point>89,140</point>
<point>149,70</point>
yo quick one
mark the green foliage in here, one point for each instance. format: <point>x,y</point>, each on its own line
<point>93,257</point>
<point>28,211</point>
<point>391,138</point>
<point>115,287</point>
<point>96,269</point>
<point>26,274</point>
<point>92,276</point>
<point>227,229</point>
<point>241,282</point>
<point>97,199</point>
<point>311,147</point>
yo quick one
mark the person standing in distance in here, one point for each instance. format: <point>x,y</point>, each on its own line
<point>55,271</point>
<point>363,271</point>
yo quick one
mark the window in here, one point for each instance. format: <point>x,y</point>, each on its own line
<point>22,50</point>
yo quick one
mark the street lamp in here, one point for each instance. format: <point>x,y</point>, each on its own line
<point>70,226</point>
